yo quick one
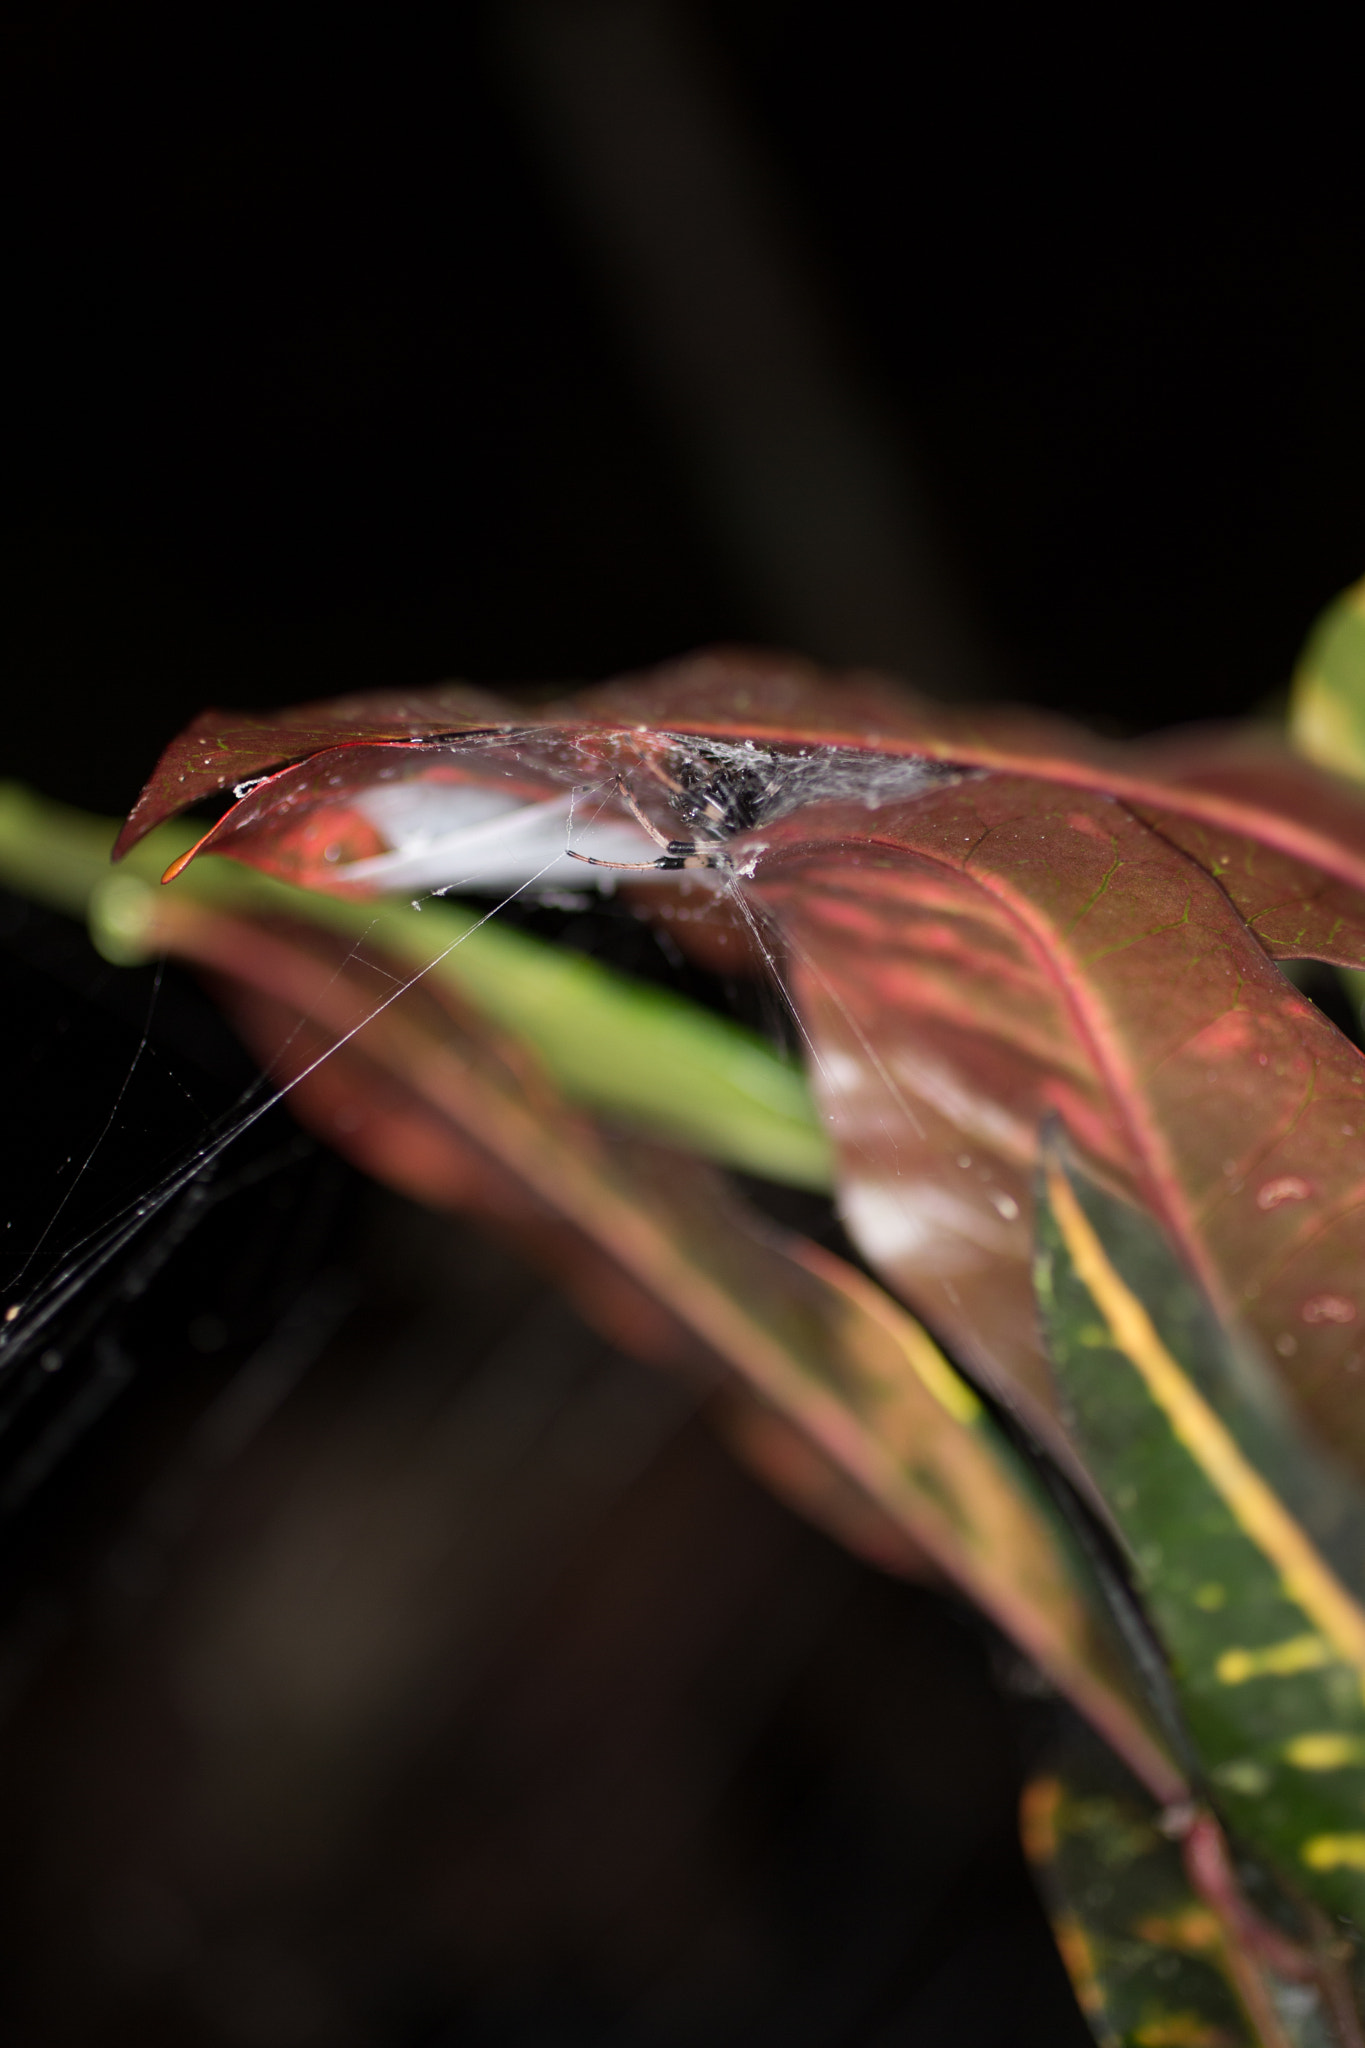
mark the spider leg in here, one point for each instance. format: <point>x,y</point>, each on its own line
<point>650,763</point>
<point>629,867</point>
<point>677,853</point>
<point>633,807</point>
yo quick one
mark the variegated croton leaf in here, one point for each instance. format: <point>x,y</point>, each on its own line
<point>1158,1961</point>
<point>992,926</point>
<point>982,920</point>
<point>1246,1539</point>
<point>429,1078</point>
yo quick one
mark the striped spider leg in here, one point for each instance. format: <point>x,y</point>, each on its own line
<point>677,853</point>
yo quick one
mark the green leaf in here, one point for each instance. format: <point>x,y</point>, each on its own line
<point>805,1334</point>
<point>1153,1964</point>
<point>1327,703</point>
<point>620,1047</point>
<point>1204,1473</point>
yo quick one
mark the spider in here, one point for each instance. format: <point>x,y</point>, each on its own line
<point>677,853</point>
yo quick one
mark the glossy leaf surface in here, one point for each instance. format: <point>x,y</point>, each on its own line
<point>1238,783</point>
<point>1033,922</point>
<point>221,750</point>
<point>993,957</point>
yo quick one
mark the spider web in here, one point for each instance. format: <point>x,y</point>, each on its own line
<point>52,1304</point>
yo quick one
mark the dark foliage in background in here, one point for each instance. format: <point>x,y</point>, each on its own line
<point>317,380</point>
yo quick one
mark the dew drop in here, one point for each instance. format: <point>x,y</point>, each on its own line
<point>1286,1187</point>
<point>1286,1345</point>
<point>1003,1203</point>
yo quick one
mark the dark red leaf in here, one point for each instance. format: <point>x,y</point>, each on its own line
<point>222,748</point>
<point>1064,926</point>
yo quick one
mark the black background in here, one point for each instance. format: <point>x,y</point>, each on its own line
<point>312,383</point>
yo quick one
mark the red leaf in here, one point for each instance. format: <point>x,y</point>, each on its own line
<point>383,1127</point>
<point>993,955</point>
<point>1251,787</point>
<point>901,1455</point>
<point>1063,926</point>
<point>222,748</point>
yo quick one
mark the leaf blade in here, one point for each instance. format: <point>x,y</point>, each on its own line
<point>609,1040</point>
<point>1151,1959</point>
<point>991,957</point>
<point>1267,1643</point>
<point>803,1332</point>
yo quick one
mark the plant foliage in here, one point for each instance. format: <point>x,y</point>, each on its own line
<point>1079,1121</point>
